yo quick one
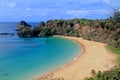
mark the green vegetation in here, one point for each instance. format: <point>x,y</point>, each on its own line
<point>113,74</point>
<point>113,49</point>
<point>26,32</point>
<point>102,30</point>
<point>22,25</point>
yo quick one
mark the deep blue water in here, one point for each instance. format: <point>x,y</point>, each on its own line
<point>25,58</point>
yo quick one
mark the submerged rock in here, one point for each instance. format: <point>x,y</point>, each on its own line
<point>12,34</point>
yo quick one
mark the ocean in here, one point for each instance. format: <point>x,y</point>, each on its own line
<point>27,58</point>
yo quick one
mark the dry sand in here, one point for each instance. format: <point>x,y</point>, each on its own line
<point>94,55</point>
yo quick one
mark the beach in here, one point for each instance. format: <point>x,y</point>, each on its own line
<point>94,55</point>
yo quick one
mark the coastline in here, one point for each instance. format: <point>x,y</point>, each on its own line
<point>89,58</point>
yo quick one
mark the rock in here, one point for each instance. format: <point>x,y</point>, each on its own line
<point>39,26</point>
<point>26,32</point>
<point>12,34</point>
<point>22,25</point>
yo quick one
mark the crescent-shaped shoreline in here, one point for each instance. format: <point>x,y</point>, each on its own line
<point>94,55</point>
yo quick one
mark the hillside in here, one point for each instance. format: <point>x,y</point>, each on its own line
<point>102,30</point>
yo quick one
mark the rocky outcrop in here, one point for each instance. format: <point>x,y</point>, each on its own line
<point>39,26</point>
<point>22,25</point>
<point>24,30</point>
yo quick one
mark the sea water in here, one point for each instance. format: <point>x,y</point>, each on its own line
<point>24,58</point>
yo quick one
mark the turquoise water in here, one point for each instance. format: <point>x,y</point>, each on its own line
<point>21,58</point>
<point>27,58</point>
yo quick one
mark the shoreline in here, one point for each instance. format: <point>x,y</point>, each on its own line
<point>70,70</point>
<point>51,74</point>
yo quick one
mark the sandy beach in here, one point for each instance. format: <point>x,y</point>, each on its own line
<point>94,55</point>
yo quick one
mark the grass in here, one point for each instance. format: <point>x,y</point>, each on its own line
<point>114,50</point>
